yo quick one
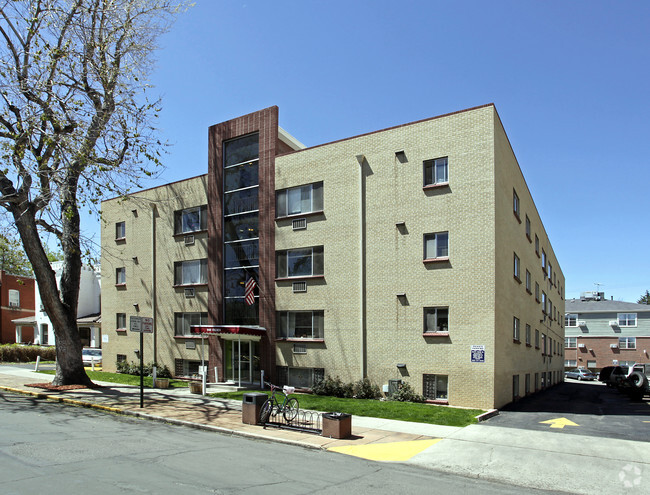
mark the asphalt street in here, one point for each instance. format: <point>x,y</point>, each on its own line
<point>58,449</point>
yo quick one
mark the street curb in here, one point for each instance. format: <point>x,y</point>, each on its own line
<point>485,416</point>
<point>162,419</point>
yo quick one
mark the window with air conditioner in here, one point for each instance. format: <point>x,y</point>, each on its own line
<point>303,262</point>
<point>193,272</point>
<point>300,324</point>
<point>14,298</point>
<point>298,200</point>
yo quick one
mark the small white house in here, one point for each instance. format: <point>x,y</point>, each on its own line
<point>88,310</point>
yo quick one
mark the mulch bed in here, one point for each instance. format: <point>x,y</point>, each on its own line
<point>58,388</point>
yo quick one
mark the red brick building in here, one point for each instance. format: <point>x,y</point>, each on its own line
<point>17,294</point>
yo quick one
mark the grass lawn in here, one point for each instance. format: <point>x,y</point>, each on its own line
<point>404,411</point>
<point>104,376</point>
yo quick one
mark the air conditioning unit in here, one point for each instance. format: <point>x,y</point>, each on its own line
<point>299,349</point>
<point>189,240</point>
<point>613,346</point>
<point>582,323</point>
<point>299,224</point>
<point>613,323</point>
<point>581,346</point>
<point>189,293</point>
<point>299,286</point>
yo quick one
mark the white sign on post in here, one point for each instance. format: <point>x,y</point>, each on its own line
<point>147,325</point>
<point>135,324</point>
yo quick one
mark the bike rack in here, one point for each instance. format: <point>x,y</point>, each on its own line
<point>305,421</point>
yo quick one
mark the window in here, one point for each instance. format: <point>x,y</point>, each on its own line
<point>14,298</point>
<point>436,171</point>
<point>544,261</point>
<point>300,324</point>
<point>120,276</point>
<point>515,204</point>
<point>436,320</point>
<point>436,245</point>
<point>120,231</point>
<point>536,339</point>
<point>304,262</point>
<point>120,320</point>
<point>121,358</point>
<point>299,377</point>
<point>527,334</point>
<point>191,272</point>
<point>570,363</point>
<point>591,364</point>
<point>516,266</point>
<point>537,245</point>
<point>528,282</point>
<point>627,343</point>
<point>191,220</point>
<point>536,292</point>
<point>571,320</point>
<point>543,344</point>
<point>182,322</point>
<point>627,319</point>
<point>298,200</point>
<point>570,342</point>
<point>544,303</point>
<point>435,387</point>
<point>528,228</point>
<point>515,329</point>
<point>515,387</point>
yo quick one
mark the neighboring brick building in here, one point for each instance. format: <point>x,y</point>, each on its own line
<point>16,301</point>
<point>412,253</point>
<point>602,332</point>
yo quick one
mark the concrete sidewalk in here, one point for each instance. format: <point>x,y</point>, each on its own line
<point>180,406</point>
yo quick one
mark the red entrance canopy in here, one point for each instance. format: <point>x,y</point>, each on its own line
<point>227,329</point>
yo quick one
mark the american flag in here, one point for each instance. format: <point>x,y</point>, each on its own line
<point>249,291</point>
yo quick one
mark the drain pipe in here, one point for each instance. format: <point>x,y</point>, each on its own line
<point>362,255</point>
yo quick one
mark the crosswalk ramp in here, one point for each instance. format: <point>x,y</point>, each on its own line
<point>387,452</point>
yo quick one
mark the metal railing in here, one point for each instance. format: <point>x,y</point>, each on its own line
<point>305,421</point>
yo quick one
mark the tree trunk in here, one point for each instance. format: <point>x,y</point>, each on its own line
<point>69,364</point>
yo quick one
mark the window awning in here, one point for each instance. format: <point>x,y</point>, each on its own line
<point>227,330</point>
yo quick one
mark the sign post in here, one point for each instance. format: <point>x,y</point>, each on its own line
<point>141,325</point>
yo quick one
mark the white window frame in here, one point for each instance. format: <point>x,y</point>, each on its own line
<point>515,203</point>
<point>570,363</point>
<point>433,310</point>
<point>120,276</point>
<point>187,319</point>
<point>627,342</point>
<point>286,325</point>
<point>571,320</point>
<point>435,165</point>
<point>570,342</point>
<point>516,329</point>
<point>516,266</point>
<point>14,298</point>
<point>309,199</point>
<point>625,319</point>
<point>434,241</point>
<point>120,231</point>
<point>308,252</point>
<point>187,270</point>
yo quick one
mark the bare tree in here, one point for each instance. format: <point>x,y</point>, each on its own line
<point>75,124</point>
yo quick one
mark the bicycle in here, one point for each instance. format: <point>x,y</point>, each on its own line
<point>273,407</point>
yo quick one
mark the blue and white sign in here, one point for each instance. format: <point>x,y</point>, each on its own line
<point>478,354</point>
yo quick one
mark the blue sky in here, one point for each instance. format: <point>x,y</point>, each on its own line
<point>570,80</point>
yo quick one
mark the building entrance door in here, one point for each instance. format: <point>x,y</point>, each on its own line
<point>242,360</point>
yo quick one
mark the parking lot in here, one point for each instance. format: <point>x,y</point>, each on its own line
<point>593,408</point>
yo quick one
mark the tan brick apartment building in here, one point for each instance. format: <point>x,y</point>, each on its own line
<point>413,253</point>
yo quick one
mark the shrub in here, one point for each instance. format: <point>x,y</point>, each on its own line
<point>364,389</point>
<point>133,368</point>
<point>405,393</point>
<point>14,353</point>
<point>332,387</point>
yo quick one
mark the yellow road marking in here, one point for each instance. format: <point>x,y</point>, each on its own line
<point>392,451</point>
<point>559,422</point>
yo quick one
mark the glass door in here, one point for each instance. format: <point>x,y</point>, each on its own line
<point>247,362</point>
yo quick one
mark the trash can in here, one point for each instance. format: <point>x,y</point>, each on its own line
<point>337,425</point>
<point>251,407</point>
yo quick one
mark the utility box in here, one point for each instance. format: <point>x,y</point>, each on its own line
<point>251,407</point>
<point>337,425</point>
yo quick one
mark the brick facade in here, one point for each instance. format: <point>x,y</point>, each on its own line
<point>25,287</point>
